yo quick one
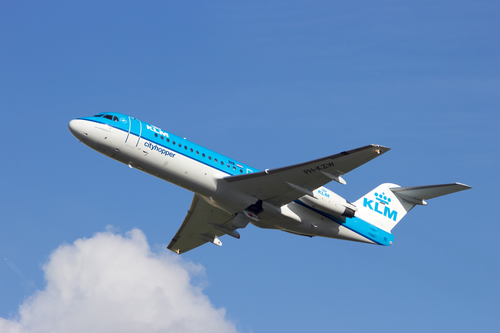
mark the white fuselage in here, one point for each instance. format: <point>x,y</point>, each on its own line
<point>138,152</point>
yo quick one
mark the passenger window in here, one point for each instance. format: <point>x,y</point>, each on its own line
<point>209,157</point>
<point>180,144</point>
<point>191,149</point>
<point>222,163</point>
<point>156,135</point>
<point>241,170</point>
<point>173,142</point>
<point>197,153</point>
<point>215,160</point>
<point>168,140</point>
<point>185,147</point>
<point>161,137</point>
<point>204,155</point>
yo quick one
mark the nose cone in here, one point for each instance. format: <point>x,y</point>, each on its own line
<point>77,128</point>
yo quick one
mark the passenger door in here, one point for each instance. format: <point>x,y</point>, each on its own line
<point>134,132</point>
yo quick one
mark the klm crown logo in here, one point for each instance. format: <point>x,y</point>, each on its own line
<point>381,200</point>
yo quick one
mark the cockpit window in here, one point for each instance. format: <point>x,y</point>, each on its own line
<point>107,116</point>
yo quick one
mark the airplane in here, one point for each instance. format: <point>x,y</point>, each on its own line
<point>229,194</point>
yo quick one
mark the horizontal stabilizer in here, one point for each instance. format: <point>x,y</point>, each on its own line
<point>418,194</point>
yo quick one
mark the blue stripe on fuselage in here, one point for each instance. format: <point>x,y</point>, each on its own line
<point>357,225</point>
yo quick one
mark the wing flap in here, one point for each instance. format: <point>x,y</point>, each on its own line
<point>283,185</point>
<point>196,229</point>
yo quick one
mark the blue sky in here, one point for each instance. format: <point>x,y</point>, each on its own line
<point>270,84</point>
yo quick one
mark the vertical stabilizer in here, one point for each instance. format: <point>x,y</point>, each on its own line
<point>388,203</point>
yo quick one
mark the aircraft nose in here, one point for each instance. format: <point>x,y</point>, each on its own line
<point>77,128</point>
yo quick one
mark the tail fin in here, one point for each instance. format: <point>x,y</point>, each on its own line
<point>388,203</point>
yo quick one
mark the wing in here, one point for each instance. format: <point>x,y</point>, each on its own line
<point>284,185</point>
<point>196,229</point>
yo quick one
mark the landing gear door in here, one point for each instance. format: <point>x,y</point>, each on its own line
<point>134,132</point>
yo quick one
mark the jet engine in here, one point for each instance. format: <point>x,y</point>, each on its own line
<point>329,202</point>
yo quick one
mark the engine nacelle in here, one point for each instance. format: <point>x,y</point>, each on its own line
<point>329,202</point>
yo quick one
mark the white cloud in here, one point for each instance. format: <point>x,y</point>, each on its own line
<point>112,283</point>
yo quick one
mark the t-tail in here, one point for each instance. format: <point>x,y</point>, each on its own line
<point>388,203</point>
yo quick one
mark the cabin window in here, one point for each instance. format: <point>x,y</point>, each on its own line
<point>161,137</point>
<point>215,160</point>
<point>234,168</point>
<point>204,155</point>
<point>156,135</point>
<point>222,163</point>
<point>180,144</point>
<point>209,157</point>
<point>191,149</point>
<point>197,153</point>
<point>168,140</point>
<point>185,147</point>
<point>173,142</point>
<point>241,170</point>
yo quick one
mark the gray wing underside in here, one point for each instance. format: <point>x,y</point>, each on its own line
<point>283,185</point>
<point>196,226</point>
